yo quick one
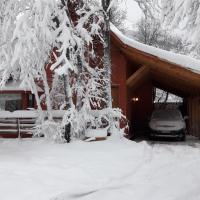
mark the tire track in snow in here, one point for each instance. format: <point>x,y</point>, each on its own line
<point>115,183</point>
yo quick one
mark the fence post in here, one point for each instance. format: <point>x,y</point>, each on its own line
<point>18,128</point>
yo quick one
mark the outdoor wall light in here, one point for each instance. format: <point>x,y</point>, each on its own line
<point>135,99</point>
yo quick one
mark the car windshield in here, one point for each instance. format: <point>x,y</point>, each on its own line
<point>166,115</point>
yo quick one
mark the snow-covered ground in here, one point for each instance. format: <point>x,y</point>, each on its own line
<point>115,169</point>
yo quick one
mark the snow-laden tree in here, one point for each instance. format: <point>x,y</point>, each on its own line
<point>151,8</point>
<point>106,4</point>
<point>118,15</point>
<point>27,42</point>
<point>117,12</point>
<point>89,84</point>
<point>151,32</point>
<point>184,15</point>
<point>181,15</point>
<point>39,34</point>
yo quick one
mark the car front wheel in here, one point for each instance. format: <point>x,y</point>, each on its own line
<point>183,136</point>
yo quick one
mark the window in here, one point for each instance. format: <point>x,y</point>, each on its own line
<point>10,102</point>
<point>31,100</point>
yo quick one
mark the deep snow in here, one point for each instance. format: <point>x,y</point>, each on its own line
<point>115,169</point>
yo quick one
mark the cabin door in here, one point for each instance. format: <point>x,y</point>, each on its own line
<point>142,107</point>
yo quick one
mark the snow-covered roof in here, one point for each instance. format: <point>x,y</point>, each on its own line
<point>17,86</point>
<point>178,59</point>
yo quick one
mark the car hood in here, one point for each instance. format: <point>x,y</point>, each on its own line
<point>161,125</point>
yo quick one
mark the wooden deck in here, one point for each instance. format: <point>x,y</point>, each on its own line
<point>21,124</point>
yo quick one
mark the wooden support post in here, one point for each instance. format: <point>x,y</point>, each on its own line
<point>139,77</point>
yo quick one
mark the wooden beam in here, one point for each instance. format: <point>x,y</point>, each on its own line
<point>138,78</point>
<point>171,89</point>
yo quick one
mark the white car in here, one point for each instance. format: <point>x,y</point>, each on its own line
<point>167,123</point>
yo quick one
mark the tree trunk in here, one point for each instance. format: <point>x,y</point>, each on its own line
<point>106,58</point>
<point>79,83</point>
<point>68,101</point>
<point>47,94</point>
<point>68,97</point>
<point>35,91</point>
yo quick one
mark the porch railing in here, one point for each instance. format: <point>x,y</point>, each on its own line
<point>21,123</point>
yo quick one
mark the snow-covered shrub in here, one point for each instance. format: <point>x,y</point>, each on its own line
<point>80,121</point>
<point>49,129</point>
<point>77,122</point>
<point>111,118</point>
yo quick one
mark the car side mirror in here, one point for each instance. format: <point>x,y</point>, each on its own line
<point>186,117</point>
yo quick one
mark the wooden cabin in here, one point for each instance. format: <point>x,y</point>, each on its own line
<point>135,73</point>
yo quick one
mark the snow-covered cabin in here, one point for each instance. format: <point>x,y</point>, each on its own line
<point>136,70</point>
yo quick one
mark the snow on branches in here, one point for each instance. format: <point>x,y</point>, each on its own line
<point>30,32</point>
<point>185,14</point>
<point>180,15</point>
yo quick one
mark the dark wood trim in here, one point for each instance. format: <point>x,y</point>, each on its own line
<point>139,77</point>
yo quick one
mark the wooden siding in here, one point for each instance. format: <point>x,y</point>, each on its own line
<point>194,116</point>
<point>119,64</point>
<point>115,96</point>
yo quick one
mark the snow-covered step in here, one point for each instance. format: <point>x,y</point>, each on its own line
<point>8,124</point>
<point>8,130</point>
<point>16,127</point>
<point>27,125</point>
<point>27,131</point>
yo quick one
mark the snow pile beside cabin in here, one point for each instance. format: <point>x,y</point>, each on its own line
<point>114,169</point>
<point>182,60</point>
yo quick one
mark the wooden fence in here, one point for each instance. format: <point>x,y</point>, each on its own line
<point>22,123</point>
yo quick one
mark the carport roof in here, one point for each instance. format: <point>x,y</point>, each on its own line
<point>175,73</point>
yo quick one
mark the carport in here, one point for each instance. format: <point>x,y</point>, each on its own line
<point>147,67</point>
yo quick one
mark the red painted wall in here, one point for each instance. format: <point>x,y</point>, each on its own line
<point>139,112</point>
<point>119,64</point>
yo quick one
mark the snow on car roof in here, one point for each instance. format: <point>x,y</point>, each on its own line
<point>181,60</point>
<point>166,114</point>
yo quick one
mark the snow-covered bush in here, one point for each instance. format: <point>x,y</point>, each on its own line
<point>50,130</point>
<point>110,118</point>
